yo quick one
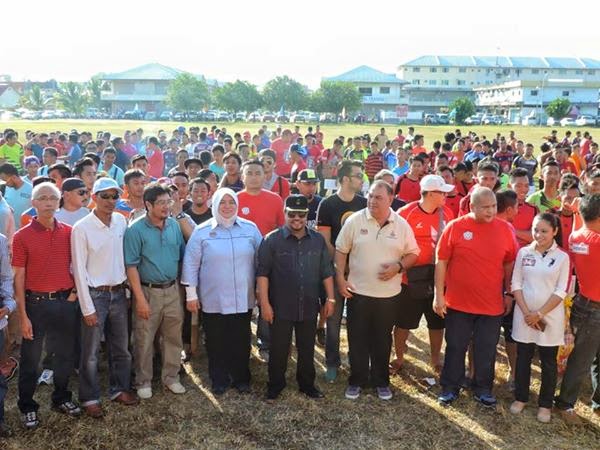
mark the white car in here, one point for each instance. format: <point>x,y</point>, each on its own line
<point>567,122</point>
<point>528,121</point>
<point>585,121</point>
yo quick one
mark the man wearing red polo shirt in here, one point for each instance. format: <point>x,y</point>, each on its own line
<point>519,182</point>
<point>281,147</point>
<point>471,300</point>
<point>46,301</point>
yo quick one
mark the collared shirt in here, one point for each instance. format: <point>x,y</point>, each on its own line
<point>46,256</point>
<point>155,252</point>
<point>371,245</point>
<point>221,262</point>
<point>6,281</point>
<point>97,253</point>
<point>296,269</point>
<point>115,172</point>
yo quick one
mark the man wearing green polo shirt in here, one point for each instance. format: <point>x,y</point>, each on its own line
<point>154,247</point>
<point>11,151</point>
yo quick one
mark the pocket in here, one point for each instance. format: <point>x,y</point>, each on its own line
<point>286,260</point>
<point>577,319</point>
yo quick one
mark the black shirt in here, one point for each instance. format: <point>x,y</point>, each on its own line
<point>333,212</point>
<point>296,269</point>
<point>313,205</point>
<point>199,218</point>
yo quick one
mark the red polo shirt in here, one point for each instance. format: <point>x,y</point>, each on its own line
<point>264,209</point>
<point>524,219</point>
<point>584,246</point>
<point>46,256</point>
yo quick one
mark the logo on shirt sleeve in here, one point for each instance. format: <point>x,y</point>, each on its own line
<point>468,235</point>
<point>581,248</point>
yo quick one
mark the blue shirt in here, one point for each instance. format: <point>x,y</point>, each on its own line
<point>115,172</point>
<point>6,280</point>
<point>399,171</point>
<point>156,253</point>
<point>74,154</point>
<point>19,200</point>
<point>222,263</point>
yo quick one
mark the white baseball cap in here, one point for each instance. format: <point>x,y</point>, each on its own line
<point>435,183</point>
<point>104,184</point>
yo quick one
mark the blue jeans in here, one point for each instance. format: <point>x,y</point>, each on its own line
<point>111,311</point>
<point>332,332</point>
<point>585,323</point>
<point>57,320</point>
<point>3,383</point>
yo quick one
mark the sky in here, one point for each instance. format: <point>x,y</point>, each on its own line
<point>258,40</point>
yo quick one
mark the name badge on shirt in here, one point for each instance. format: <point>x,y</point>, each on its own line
<point>364,231</point>
<point>392,235</point>
<point>529,261</point>
<point>580,248</point>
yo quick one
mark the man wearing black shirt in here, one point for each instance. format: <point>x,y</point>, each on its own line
<point>331,215</point>
<point>198,209</point>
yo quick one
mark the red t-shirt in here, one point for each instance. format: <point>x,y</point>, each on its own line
<point>373,164</point>
<point>475,274</point>
<point>156,164</point>
<point>264,209</point>
<point>46,256</point>
<point>566,228</point>
<point>463,188</point>
<point>464,206</point>
<point>453,203</point>
<point>524,219</point>
<point>281,187</point>
<point>408,190</point>
<point>281,149</point>
<point>568,167</point>
<point>584,245</point>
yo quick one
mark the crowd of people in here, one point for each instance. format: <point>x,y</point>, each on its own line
<point>119,247</point>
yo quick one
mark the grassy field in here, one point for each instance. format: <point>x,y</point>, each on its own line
<point>331,131</point>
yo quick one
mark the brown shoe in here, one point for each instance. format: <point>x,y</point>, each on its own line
<point>127,399</point>
<point>94,410</point>
<point>570,416</point>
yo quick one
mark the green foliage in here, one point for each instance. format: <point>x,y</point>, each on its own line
<point>94,91</point>
<point>238,96</point>
<point>333,96</point>
<point>35,99</point>
<point>287,92</point>
<point>463,107</point>
<point>73,97</point>
<point>558,108</point>
<point>187,93</point>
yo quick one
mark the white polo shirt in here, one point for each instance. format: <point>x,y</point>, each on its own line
<point>370,246</point>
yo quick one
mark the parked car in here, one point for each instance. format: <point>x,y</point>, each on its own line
<point>585,121</point>
<point>282,118</point>
<point>327,118</point>
<point>442,119</point>
<point>60,114</point>
<point>133,115</point>
<point>224,116</point>
<point>299,117</point>
<point>529,120</point>
<point>151,115</point>
<point>48,114</point>
<point>166,115</point>
<point>473,120</point>
<point>240,117</point>
<point>267,117</point>
<point>211,115</point>
<point>253,117</point>
<point>31,115</point>
<point>313,117</point>
<point>567,122</point>
<point>429,119</point>
<point>552,122</point>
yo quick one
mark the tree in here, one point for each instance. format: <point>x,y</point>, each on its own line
<point>558,108</point>
<point>35,99</point>
<point>286,92</point>
<point>461,108</point>
<point>73,97</point>
<point>334,96</point>
<point>94,91</point>
<point>238,96</point>
<point>187,93</point>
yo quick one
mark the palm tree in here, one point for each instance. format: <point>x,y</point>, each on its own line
<point>73,97</point>
<point>35,99</point>
<point>94,90</point>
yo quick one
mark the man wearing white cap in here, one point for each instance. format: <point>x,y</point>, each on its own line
<point>100,277</point>
<point>427,218</point>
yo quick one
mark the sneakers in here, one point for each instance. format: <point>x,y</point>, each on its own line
<point>312,392</point>
<point>47,377</point>
<point>570,416</point>
<point>447,398</point>
<point>144,393</point>
<point>487,400</point>
<point>384,393</point>
<point>321,337</point>
<point>69,408</point>
<point>517,407</point>
<point>352,392</point>
<point>30,420</point>
<point>331,374</point>
<point>176,388</point>
<point>544,415</point>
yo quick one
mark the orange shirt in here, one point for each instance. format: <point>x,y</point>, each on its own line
<point>264,209</point>
<point>475,273</point>
<point>418,149</point>
<point>584,246</point>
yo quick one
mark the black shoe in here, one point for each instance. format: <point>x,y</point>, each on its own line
<point>243,388</point>
<point>5,431</point>
<point>321,337</point>
<point>272,395</point>
<point>312,392</point>
<point>69,408</point>
<point>487,400</point>
<point>219,390</point>
<point>30,420</point>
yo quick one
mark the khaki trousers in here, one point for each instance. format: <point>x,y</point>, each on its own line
<point>166,318</point>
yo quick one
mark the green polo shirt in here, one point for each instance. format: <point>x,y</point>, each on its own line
<point>12,154</point>
<point>156,253</point>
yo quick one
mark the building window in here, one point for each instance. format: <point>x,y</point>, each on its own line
<point>579,72</point>
<point>384,90</point>
<point>461,82</point>
<point>416,82</point>
<point>565,93</point>
<point>445,70</point>
<point>445,82</point>
<point>591,72</point>
<point>462,70</point>
<point>433,69</point>
<point>533,93</point>
<point>365,90</point>
<point>562,72</point>
<point>432,82</point>
<point>535,71</point>
<point>416,69</point>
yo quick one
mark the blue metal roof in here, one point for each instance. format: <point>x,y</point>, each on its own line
<point>366,74</point>
<point>504,61</point>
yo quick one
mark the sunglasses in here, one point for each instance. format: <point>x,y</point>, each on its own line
<point>292,214</point>
<point>82,192</point>
<point>104,196</point>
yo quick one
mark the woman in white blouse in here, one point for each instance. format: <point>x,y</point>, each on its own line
<point>539,283</point>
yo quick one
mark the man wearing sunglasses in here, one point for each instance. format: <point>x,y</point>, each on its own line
<point>74,198</point>
<point>293,264</point>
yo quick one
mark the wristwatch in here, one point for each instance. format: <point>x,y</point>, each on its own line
<point>331,300</point>
<point>181,215</point>
<point>508,294</point>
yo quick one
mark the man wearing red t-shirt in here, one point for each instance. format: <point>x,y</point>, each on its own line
<point>426,217</point>
<point>475,256</point>
<point>453,198</point>
<point>156,162</point>
<point>519,182</point>
<point>408,188</point>
<point>584,245</point>
<point>46,301</point>
<point>418,145</point>
<point>487,176</point>
<point>281,147</point>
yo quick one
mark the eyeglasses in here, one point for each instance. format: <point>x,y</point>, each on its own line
<point>360,176</point>
<point>292,214</point>
<point>163,203</point>
<point>439,192</point>
<point>45,198</point>
<point>82,192</point>
<point>105,196</point>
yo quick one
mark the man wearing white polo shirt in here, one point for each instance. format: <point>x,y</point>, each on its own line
<point>381,245</point>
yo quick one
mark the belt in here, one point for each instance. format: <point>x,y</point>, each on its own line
<point>589,301</point>
<point>114,288</point>
<point>159,285</point>
<point>35,295</point>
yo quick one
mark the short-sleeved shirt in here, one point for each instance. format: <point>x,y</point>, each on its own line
<point>476,253</point>
<point>524,219</point>
<point>543,203</point>
<point>282,149</point>
<point>453,202</point>
<point>584,246</point>
<point>333,212</point>
<point>12,154</point>
<point>370,246</point>
<point>156,253</point>
<point>313,206</point>
<point>46,256</point>
<point>264,209</point>
<point>19,200</point>
<point>296,269</point>
<point>530,165</point>
<point>408,190</point>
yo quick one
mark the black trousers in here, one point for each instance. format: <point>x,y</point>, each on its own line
<point>484,330</point>
<point>370,322</point>
<point>523,373</point>
<point>228,348</point>
<point>281,339</point>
